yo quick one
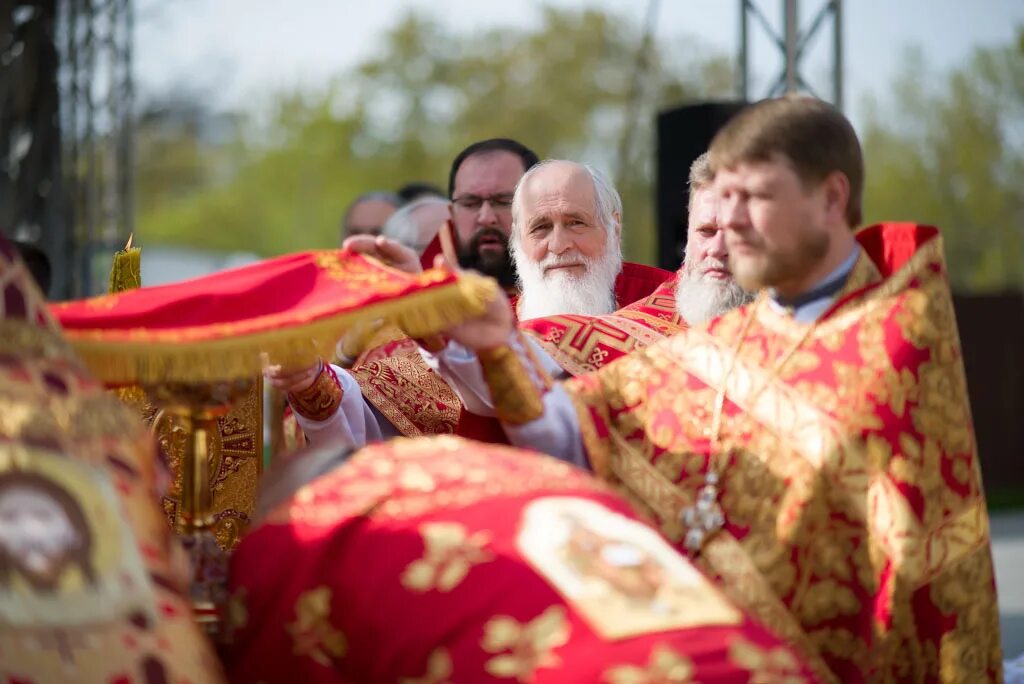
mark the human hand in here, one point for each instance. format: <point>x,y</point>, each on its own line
<point>491,329</point>
<point>289,381</point>
<point>389,251</point>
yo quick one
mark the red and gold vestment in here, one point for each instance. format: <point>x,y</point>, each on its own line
<point>393,377</point>
<point>89,587</point>
<point>855,518</point>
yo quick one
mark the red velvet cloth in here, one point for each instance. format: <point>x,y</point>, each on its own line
<point>440,559</point>
<point>637,281</point>
<point>289,290</point>
<point>288,310</point>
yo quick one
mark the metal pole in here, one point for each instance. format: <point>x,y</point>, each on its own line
<point>837,54</point>
<point>92,200</point>
<point>790,22</point>
<point>744,64</point>
<point>72,175</point>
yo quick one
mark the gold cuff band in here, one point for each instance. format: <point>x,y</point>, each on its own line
<point>517,400</point>
<point>320,400</point>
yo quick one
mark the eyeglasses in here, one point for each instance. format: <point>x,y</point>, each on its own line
<point>473,203</point>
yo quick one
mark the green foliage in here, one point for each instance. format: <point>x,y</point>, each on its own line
<point>944,149</point>
<point>950,151</point>
<point>402,115</point>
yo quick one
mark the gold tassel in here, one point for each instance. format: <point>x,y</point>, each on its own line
<point>161,361</point>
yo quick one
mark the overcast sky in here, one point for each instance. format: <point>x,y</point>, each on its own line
<point>238,50</point>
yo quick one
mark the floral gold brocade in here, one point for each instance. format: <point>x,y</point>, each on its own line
<point>119,609</point>
<point>407,392</point>
<point>664,667</point>
<point>771,666</point>
<point>523,648</point>
<point>852,489</point>
<point>449,553</point>
<point>448,560</point>
<point>312,632</point>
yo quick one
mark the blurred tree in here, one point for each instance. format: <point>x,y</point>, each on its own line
<point>181,148</point>
<point>560,88</point>
<point>949,150</point>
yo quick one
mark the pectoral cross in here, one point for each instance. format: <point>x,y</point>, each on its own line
<point>705,517</point>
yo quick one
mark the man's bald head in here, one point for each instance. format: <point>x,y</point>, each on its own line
<point>566,182</point>
<point>367,214</point>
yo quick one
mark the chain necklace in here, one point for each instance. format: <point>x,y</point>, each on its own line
<point>705,516</point>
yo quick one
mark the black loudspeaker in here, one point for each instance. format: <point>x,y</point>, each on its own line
<point>684,134</point>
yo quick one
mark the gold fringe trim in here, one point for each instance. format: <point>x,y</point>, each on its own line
<point>132,361</point>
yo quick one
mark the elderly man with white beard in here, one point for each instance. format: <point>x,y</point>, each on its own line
<point>566,246</point>
<point>565,242</point>
<point>702,289</point>
<point>705,287</point>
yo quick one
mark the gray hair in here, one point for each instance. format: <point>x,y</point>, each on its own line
<point>607,199</point>
<point>701,176</point>
<point>402,226</point>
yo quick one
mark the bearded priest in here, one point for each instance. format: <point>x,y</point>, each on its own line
<point>566,243</point>
<point>702,289</point>
<point>814,449</point>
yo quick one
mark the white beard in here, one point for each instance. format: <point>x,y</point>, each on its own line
<point>561,292</point>
<point>700,299</point>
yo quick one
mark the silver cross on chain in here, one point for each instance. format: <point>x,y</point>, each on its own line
<point>705,517</point>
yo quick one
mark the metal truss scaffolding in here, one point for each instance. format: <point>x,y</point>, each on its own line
<point>793,43</point>
<point>66,133</point>
<point>95,39</point>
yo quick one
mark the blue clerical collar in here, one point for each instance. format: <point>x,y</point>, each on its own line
<point>812,303</point>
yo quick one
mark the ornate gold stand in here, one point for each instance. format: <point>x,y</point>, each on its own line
<point>197,408</point>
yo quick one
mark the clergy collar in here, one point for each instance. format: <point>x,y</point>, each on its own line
<point>809,305</point>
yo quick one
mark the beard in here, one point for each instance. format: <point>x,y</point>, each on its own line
<point>699,299</point>
<point>591,293</point>
<point>768,266</point>
<point>490,262</point>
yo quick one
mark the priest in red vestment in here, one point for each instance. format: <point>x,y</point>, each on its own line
<point>444,560</point>
<point>702,289</point>
<point>569,260</point>
<point>552,199</point>
<point>813,450</point>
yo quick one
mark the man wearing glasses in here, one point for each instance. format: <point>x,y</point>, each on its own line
<point>480,186</point>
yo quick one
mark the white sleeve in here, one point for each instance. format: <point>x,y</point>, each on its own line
<point>460,368</point>
<point>556,432</point>
<point>353,424</point>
